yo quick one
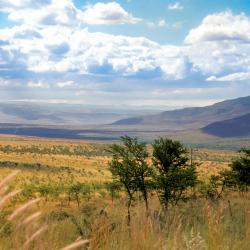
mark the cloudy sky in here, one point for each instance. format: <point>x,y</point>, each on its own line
<point>154,53</point>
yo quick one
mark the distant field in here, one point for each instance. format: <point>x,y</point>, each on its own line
<point>109,133</point>
<point>85,161</point>
<point>56,160</point>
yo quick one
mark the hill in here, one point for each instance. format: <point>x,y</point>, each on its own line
<point>239,126</point>
<point>192,118</point>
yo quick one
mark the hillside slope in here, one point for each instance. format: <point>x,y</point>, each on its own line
<point>239,126</point>
<point>191,118</point>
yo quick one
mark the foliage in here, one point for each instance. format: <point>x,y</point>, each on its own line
<point>129,167</point>
<point>240,168</point>
<point>174,174</point>
<point>79,150</point>
<point>113,187</point>
<point>213,188</point>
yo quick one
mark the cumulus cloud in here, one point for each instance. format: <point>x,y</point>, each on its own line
<point>52,48</point>
<point>175,6</point>
<point>12,5</point>
<point>64,12</point>
<point>220,46</point>
<point>54,13</point>
<point>62,49</point>
<point>220,27</point>
<point>107,13</point>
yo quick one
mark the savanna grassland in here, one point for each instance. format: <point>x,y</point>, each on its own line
<point>60,194</point>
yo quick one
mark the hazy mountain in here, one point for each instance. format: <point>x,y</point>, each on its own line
<point>62,114</point>
<point>239,126</point>
<point>191,118</point>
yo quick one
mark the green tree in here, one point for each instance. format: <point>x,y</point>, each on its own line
<point>214,186</point>
<point>76,189</point>
<point>174,173</point>
<point>129,167</point>
<point>240,168</point>
<point>113,188</point>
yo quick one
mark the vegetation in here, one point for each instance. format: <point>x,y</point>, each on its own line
<point>241,169</point>
<point>81,201</point>
<point>175,173</point>
<point>129,166</point>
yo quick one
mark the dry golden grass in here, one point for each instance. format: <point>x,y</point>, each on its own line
<point>57,224</point>
<point>91,169</point>
<point>86,169</point>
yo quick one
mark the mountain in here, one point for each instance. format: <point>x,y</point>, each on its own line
<point>235,127</point>
<point>63,114</point>
<point>192,118</point>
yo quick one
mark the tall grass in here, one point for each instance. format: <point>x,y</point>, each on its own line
<point>100,223</point>
<point>196,225</point>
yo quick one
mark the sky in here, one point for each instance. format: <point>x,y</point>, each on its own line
<point>126,53</point>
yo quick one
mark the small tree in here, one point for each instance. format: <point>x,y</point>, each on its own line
<point>214,186</point>
<point>240,168</point>
<point>113,188</point>
<point>129,167</point>
<point>174,173</point>
<point>142,172</point>
<point>76,189</point>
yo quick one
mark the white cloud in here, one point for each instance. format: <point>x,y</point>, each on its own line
<point>4,82</point>
<point>151,24</point>
<point>64,84</point>
<point>220,45</point>
<point>177,25</point>
<point>48,12</point>
<point>175,6</point>
<point>221,27</point>
<point>64,12</point>
<point>62,49</point>
<point>107,13</point>
<point>51,49</point>
<point>162,23</point>
<point>39,84</point>
<point>239,76</point>
<point>11,5</point>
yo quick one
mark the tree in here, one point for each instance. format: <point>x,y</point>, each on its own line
<point>214,186</point>
<point>240,168</point>
<point>129,167</point>
<point>76,189</point>
<point>113,188</point>
<point>174,173</point>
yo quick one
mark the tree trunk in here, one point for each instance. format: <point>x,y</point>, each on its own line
<point>128,208</point>
<point>78,202</point>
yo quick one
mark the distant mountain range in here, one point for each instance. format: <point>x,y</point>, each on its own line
<point>229,118</point>
<point>63,114</point>
<point>196,118</point>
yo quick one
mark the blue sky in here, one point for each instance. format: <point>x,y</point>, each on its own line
<point>155,10</point>
<point>154,53</point>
